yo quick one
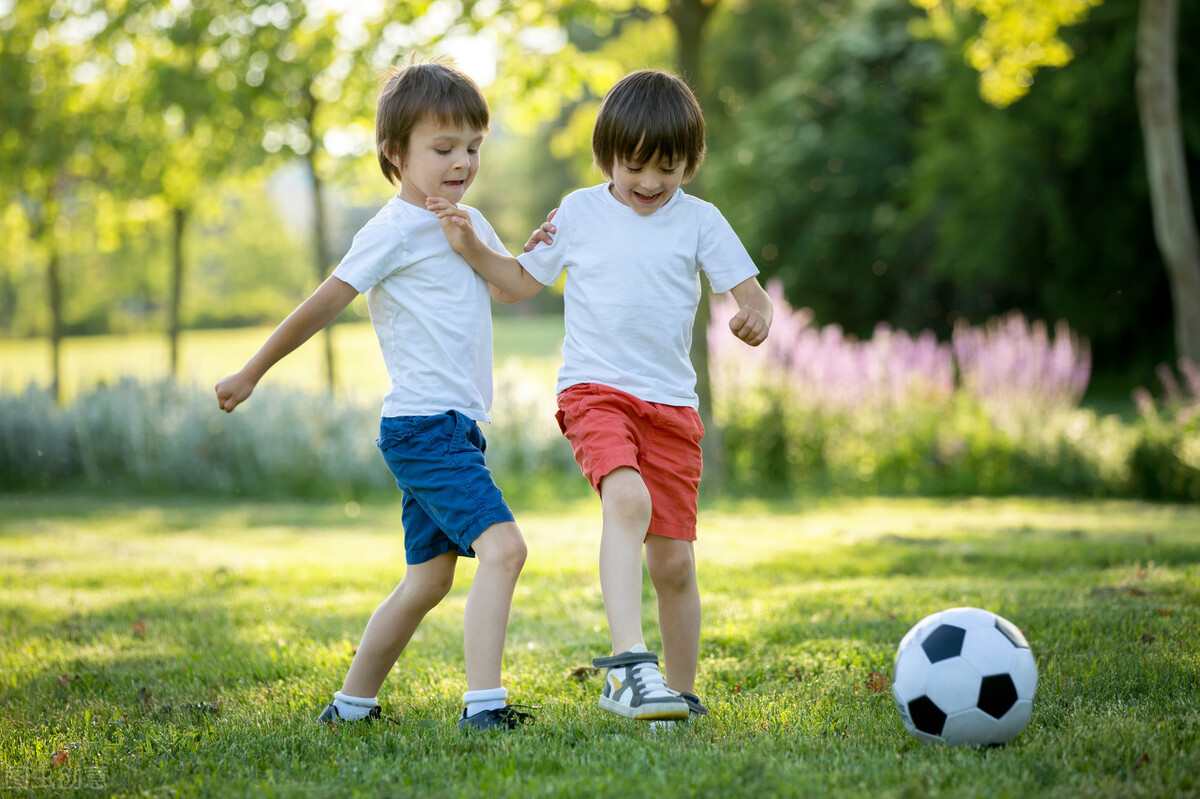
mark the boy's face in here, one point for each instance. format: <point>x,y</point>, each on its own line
<point>441,161</point>
<point>646,187</point>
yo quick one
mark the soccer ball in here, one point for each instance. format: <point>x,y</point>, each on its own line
<point>964,676</point>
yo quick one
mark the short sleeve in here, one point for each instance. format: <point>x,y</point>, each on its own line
<point>486,233</point>
<point>721,254</point>
<point>546,262</point>
<point>376,252</point>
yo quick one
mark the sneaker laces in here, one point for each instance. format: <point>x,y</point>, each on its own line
<point>652,680</point>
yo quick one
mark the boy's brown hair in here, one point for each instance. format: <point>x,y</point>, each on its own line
<point>649,113</point>
<point>408,95</point>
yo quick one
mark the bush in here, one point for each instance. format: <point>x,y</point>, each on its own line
<point>994,411</point>
<point>1166,458</point>
<point>160,437</point>
<point>810,410</point>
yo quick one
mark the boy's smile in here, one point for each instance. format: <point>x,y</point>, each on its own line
<point>646,187</point>
<point>440,161</point>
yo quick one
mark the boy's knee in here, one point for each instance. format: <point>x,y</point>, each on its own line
<point>502,546</point>
<point>674,570</point>
<point>625,498</point>
<point>427,591</point>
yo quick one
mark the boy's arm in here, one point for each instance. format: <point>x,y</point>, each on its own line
<point>510,281</point>
<point>312,315</point>
<point>752,322</point>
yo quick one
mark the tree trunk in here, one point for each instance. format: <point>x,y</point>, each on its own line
<point>688,17</point>
<point>55,293</point>
<point>179,217</point>
<point>321,256</point>
<point>1166,167</point>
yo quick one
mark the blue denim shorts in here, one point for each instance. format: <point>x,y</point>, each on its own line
<point>449,494</point>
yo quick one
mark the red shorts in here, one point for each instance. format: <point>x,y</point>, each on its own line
<point>609,428</point>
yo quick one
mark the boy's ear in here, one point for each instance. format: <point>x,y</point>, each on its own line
<point>393,154</point>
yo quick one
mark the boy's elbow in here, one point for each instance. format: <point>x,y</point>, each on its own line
<point>508,298</point>
<point>528,290</point>
<point>500,295</point>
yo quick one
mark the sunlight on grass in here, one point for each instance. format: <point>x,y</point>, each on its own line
<point>178,639</point>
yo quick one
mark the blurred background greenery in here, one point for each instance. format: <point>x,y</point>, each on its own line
<point>162,159</point>
<point>176,166</point>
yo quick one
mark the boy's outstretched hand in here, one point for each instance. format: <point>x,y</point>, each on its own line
<point>232,391</point>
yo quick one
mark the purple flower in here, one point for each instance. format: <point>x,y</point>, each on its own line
<point>1010,365</point>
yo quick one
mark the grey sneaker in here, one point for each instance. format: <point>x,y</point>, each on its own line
<point>635,688</point>
<point>506,718</point>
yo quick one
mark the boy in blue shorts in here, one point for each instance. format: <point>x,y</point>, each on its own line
<point>633,249</point>
<point>432,315</point>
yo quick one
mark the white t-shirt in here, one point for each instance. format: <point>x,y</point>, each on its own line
<point>430,310</point>
<point>633,284</point>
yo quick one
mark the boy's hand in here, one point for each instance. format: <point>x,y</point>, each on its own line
<point>233,391</point>
<point>544,234</point>
<point>456,224</point>
<point>750,326</point>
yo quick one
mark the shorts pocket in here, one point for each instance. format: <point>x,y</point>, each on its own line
<point>466,436</point>
<point>572,403</point>
<point>396,430</point>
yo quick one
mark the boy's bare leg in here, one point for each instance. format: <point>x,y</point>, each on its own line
<point>395,620</point>
<point>672,567</point>
<point>501,552</point>
<point>625,504</point>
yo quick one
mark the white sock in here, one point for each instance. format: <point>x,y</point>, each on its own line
<point>489,699</point>
<point>353,708</point>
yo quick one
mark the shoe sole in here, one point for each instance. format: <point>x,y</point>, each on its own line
<point>671,712</point>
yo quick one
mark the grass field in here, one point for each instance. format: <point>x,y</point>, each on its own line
<point>183,648</point>
<point>208,355</point>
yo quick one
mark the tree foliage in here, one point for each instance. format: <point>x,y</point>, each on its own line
<point>863,168</point>
<point>1014,40</point>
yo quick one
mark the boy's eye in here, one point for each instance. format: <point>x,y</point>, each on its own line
<point>442,152</point>
<point>472,151</point>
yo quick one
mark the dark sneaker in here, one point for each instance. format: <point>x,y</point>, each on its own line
<point>635,688</point>
<point>330,715</point>
<point>506,718</point>
<point>695,709</point>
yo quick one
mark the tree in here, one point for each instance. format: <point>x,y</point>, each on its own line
<point>45,149</point>
<point>309,70</point>
<point>1017,36</point>
<point>689,18</point>
<point>1166,167</point>
<point>201,88</point>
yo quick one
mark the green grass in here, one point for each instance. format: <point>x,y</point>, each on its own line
<point>208,355</point>
<point>183,648</point>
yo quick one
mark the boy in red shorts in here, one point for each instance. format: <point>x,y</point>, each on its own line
<point>633,249</point>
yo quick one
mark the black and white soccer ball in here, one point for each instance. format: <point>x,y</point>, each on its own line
<point>964,676</point>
